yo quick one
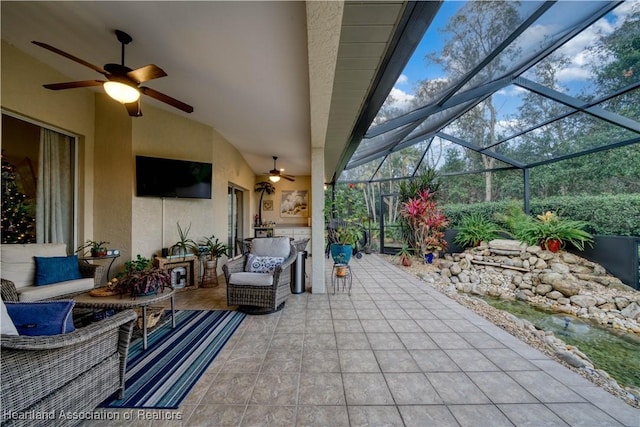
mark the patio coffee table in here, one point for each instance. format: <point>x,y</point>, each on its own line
<point>122,302</point>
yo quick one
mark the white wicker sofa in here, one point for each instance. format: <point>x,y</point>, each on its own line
<point>17,264</point>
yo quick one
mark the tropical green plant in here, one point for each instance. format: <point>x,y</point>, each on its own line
<point>263,187</point>
<point>96,248</point>
<point>214,247</point>
<point>405,253</point>
<point>184,245</point>
<point>475,228</point>
<point>139,277</point>
<point>346,234</point>
<point>550,226</point>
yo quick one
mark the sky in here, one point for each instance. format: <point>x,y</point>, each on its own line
<point>573,78</point>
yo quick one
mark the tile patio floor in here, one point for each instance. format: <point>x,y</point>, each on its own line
<point>394,353</point>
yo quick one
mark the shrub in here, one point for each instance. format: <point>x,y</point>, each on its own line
<point>475,228</point>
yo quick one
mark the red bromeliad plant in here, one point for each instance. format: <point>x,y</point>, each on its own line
<point>427,222</point>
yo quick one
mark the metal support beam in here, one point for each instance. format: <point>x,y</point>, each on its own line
<point>478,149</point>
<point>527,191</point>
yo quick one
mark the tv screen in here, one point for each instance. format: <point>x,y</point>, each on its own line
<point>156,177</point>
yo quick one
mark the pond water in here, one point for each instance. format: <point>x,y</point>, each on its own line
<point>615,352</point>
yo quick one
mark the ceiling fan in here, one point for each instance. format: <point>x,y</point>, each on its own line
<point>275,174</point>
<point>123,83</point>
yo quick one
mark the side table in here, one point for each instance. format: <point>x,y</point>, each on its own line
<point>98,258</point>
<point>341,273</point>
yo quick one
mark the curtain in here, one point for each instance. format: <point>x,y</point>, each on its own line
<point>54,203</point>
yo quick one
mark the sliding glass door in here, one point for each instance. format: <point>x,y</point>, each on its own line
<point>235,197</point>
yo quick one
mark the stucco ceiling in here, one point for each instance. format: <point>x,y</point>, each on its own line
<point>243,66</point>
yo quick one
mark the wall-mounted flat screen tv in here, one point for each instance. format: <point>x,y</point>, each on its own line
<point>157,177</point>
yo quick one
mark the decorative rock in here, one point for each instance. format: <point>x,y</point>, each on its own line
<point>545,255</point>
<point>550,278</point>
<point>455,269</point>
<point>554,295</point>
<point>559,268</point>
<point>570,358</point>
<point>463,277</point>
<point>534,249</point>
<point>544,289</point>
<point>521,296</point>
<point>507,245</point>
<point>632,311</point>
<point>540,264</point>
<point>569,258</point>
<point>505,296</point>
<point>579,269</point>
<point>567,289</point>
<point>621,302</point>
<point>583,301</point>
<point>527,285</point>
<point>564,301</point>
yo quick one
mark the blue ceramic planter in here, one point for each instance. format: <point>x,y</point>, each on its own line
<point>428,258</point>
<point>341,254</point>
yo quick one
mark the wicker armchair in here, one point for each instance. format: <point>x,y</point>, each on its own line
<point>68,373</point>
<point>260,293</point>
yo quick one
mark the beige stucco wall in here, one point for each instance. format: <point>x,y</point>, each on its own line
<point>109,141</point>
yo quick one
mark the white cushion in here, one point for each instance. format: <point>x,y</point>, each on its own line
<point>262,264</point>
<point>271,246</point>
<point>6,324</point>
<point>17,260</point>
<point>251,279</point>
<point>38,293</point>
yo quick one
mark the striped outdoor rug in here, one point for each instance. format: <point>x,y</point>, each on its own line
<point>161,376</point>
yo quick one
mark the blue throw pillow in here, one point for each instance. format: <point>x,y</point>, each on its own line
<point>56,269</point>
<point>42,317</point>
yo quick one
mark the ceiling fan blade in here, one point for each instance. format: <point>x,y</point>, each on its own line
<point>133,108</point>
<point>73,85</point>
<point>146,73</point>
<point>167,99</point>
<point>287,177</point>
<point>71,57</point>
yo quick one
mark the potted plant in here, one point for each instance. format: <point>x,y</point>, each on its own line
<point>548,230</point>
<point>552,232</point>
<point>140,278</point>
<point>184,246</point>
<point>405,253</point>
<point>474,228</point>
<point>344,239</point>
<point>96,248</point>
<point>213,249</point>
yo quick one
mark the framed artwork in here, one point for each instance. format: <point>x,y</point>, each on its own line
<point>267,205</point>
<point>294,204</point>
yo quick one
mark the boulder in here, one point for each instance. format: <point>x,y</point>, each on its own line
<point>507,245</point>
<point>621,302</point>
<point>559,268</point>
<point>544,289</point>
<point>583,301</point>
<point>550,278</point>
<point>569,258</point>
<point>545,255</point>
<point>632,311</point>
<point>567,289</point>
<point>540,264</point>
<point>455,269</point>
<point>553,294</point>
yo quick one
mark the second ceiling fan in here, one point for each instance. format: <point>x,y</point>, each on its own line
<point>275,174</point>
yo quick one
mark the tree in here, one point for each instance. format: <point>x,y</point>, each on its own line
<point>472,34</point>
<point>18,226</point>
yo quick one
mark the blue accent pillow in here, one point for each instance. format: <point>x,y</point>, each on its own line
<point>56,269</point>
<point>42,317</point>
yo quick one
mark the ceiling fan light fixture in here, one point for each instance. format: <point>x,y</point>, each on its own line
<point>121,92</point>
<point>274,178</point>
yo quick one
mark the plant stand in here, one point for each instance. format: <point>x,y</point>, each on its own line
<point>341,273</point>
<point>210,275</point>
